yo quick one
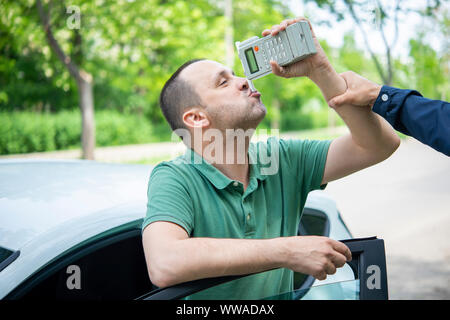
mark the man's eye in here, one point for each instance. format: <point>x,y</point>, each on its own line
<point>223,82</point>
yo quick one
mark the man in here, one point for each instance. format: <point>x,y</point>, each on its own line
<point>406,110</point>
<point>208,216</point>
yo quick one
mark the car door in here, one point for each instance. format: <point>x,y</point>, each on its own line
<point>368,265</point>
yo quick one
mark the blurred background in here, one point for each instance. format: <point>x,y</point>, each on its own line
<point>81,79</point>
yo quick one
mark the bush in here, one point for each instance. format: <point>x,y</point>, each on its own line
<point>23,132</point>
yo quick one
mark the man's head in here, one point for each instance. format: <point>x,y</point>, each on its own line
<point>206,94</point>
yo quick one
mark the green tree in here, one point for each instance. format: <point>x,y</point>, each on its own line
<point>375,15</point>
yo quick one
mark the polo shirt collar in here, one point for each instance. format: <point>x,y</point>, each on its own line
<point>214,175</point>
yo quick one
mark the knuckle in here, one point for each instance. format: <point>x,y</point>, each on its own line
<point>322,276</point>
<point>329,253</point>
<point>340,263</point>
<point>320,268</point>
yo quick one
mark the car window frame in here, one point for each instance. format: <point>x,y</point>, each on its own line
<point>10,259</point>
<point>97,242</point>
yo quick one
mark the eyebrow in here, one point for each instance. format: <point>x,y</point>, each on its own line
<point>221,74</point>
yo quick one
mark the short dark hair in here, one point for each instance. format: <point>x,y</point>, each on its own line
<point>177,95</point>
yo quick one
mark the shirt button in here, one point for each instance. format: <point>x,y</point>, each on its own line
<point>235,183</point>
<point>248,217</point>
<point>384,97</point>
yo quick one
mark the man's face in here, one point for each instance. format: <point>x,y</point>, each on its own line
<point>229,103</point>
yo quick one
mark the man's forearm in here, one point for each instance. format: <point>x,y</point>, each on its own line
<point>368,130</point>
<point>197,258</point>
<point>172,257</point>
<point>328,81</point>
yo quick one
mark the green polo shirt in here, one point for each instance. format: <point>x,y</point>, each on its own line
<point>198,197</point>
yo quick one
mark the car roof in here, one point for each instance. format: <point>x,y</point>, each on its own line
<point>39,195</point>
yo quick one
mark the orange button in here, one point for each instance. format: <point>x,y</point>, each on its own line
<point>256,48</point>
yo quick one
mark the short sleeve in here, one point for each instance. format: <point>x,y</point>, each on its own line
<point>168,199</point>
<point>307,159</point>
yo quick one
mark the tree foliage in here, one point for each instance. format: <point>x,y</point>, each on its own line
<point>131,47</point>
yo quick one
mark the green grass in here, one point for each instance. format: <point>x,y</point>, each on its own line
<point>152,160</point>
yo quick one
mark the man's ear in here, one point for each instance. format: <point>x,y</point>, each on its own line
<point>195,118</point>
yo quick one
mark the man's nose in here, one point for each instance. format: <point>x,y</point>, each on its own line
<point>242,84</point>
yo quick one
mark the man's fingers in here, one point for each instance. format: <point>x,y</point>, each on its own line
<point>266,32</point>
<point>278,70</point>
<point>342,248</point>
<point>338,259</point>
<point>338,100</point>
<point>348,97</point>
<point>330,268</point>
<point>321,276</point>
<point>275,29</point>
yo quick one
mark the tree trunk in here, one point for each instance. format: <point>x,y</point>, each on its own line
<point>229,46</point>
<point>86,98</point>
<point>82,78</point>
<point>275,120</point>
<point>276,106</point>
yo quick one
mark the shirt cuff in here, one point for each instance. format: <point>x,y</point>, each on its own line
<point>389,100</point>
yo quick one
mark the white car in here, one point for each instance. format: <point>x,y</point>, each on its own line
<point>72,230</point>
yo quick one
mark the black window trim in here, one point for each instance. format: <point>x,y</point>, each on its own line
<point>13,256</point>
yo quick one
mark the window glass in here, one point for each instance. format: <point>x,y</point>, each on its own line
<point>313,222</point>
<point>116,271</point>
<point>342,290</point>
<point>345,290</point>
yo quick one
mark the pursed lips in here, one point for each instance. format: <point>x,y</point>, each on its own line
<point>255,94</point>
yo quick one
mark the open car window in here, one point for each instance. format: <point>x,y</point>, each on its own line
<point>368,265</point>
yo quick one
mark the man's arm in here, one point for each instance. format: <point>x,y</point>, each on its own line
<point>371,139</point>
<point>406,110</point>
<point>172,257</point>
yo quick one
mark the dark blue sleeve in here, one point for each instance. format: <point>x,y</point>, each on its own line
<point>424,119</point>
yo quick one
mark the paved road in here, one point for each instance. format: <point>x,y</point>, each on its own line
<point>406,201</point>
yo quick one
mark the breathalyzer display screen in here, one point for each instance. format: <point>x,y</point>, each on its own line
<point>251,60</point>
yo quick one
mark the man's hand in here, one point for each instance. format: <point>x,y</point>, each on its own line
<point>316,256</point>
<point>306,67</point>
<point>360,91</point>
<point>173,257</point>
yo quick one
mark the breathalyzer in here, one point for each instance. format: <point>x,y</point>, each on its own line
<point>288,46</point>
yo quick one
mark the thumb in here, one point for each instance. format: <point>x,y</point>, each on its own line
<point>338,100</point>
